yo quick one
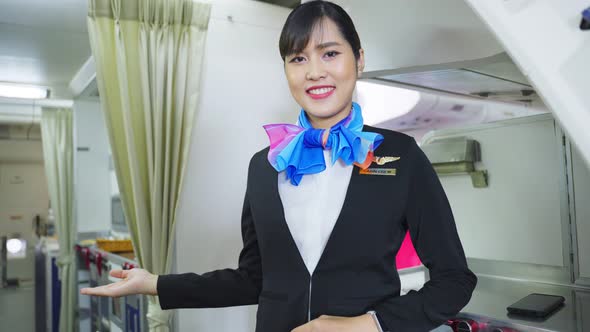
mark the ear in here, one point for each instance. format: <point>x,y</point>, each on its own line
<point>360,63</point>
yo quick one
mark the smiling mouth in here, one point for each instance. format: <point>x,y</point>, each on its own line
<point>321,92</point>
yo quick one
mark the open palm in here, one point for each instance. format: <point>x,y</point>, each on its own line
<point>134,281</point>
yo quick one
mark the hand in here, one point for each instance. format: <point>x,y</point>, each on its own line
<point>363,323</point>
<point>134,281</point>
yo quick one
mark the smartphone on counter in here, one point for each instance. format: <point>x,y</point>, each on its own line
<point>536,305</point>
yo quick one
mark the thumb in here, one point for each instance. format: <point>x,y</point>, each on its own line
<point>119,273</point>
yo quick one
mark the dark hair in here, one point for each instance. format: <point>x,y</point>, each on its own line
<point>305,17</point>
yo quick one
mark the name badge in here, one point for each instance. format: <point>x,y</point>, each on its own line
<point>379,171</point>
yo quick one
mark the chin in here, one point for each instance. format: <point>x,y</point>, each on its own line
<point>321,108</point>
<point>320,113</point>
<point>328,110</point>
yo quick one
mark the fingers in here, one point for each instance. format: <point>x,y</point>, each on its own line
<point>112,290</point>
<point>98,291</point>
<point>122,274</point>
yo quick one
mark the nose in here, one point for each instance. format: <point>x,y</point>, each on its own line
<point>315,70</point>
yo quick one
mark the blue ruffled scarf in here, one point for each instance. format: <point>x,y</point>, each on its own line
<point>298,150</point>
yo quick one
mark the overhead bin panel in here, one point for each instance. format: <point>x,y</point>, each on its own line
<point>495,78</point>
<point>545,40</point>
<point>401,33</point>
<point>506,50</point>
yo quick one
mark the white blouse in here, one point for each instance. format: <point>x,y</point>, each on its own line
<point>312,208</point>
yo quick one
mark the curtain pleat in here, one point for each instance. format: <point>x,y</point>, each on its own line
<point>148,56</point>
<point>57,137</point>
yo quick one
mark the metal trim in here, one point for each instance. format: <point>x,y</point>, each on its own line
<point>564,198</point>
<point>576,277</point>
<point>441,133</point>
<point>572,209</point>
<point>520,271</point>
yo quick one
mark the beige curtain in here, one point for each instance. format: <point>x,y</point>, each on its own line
<point>148,56</point>
<point>57,136</point>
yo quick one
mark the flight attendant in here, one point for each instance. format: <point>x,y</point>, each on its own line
<point>326,209</point>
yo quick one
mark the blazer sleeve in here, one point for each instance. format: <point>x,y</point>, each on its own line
<point>220,288</point>
<point>434,235</point>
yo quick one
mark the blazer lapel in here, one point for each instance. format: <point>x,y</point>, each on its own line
<point>269,182</point>
<point>355,188</point>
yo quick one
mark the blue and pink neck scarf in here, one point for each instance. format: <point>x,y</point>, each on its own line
<point>299,149</point>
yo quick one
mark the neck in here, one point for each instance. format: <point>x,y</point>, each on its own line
<point>327,123</point>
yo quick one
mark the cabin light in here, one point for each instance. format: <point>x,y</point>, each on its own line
<point>382,103</point>
<point>16,248</point>
<point>9,90</point>
<point>14,245</point>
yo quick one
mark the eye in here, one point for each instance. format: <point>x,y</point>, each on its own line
<point>297,59</point>
<point>331,54</point>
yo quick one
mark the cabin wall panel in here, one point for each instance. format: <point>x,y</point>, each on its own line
<point>91,168</point>
<point>243,87</point>
<point>560,77</point>
<point>23,194</point>
<point>518,217</point>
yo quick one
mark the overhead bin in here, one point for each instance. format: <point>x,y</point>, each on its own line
<point>440,45</point>
<point>506,50</point>
<point>494,78</point>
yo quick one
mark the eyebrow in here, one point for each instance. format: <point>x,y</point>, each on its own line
<point>321,46</point>
<point>326,45</point>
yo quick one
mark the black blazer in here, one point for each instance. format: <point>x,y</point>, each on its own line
<point>356,271</point>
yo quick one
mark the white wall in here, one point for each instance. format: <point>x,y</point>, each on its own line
<point>91,167</point>
<point>23,186</point>
<point>23,194</point>
<point>517,218</point>
<point>20,151</point>
<point>243,88</point>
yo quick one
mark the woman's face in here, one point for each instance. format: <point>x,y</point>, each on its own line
<point>323,76</point>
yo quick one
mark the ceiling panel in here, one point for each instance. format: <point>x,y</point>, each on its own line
<point>42,42</point>
<point>55,15</point>
<point>37,56</point>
